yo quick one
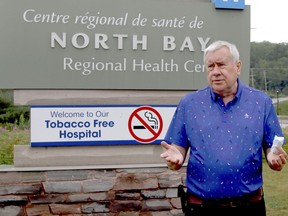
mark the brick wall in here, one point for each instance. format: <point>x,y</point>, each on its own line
<point>143,192</point>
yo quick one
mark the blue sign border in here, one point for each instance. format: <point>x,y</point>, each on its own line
<point>91,143</point>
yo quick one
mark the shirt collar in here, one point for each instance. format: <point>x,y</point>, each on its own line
<point>215,96</point>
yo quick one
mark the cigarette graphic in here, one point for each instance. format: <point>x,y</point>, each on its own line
<point>150,117</point>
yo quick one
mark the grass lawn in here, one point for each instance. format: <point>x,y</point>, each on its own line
<point>276,191</point>
<point>276,187</point>
<point>9,138</point>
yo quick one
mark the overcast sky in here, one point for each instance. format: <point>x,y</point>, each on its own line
<point>269,20</point>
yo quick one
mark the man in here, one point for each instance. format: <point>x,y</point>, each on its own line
<point>225,125</point>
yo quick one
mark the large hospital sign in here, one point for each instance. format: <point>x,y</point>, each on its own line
<point>115,44</point>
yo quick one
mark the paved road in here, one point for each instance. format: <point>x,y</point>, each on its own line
<point>274,100</point>
<point>283,119</point>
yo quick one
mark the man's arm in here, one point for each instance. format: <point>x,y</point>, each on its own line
<point>174,155</point>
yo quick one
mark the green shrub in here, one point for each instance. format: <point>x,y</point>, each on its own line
<point>11,115</point>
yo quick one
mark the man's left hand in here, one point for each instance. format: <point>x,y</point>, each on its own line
<point>276,161</point>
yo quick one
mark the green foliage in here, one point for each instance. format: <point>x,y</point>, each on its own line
<point>10,137</point>
<point>269,67</point>
<point>11,115</point>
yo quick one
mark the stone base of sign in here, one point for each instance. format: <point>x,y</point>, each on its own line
<point>93,156</point>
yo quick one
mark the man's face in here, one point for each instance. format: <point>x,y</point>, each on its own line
<point>222,71</point>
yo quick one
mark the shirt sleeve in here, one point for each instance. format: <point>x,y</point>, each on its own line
<point>272,126</point>
<point>176,133</point>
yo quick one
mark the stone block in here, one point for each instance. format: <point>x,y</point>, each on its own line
<point>172,192</point>
<point>170,180</point>
<point>94,174</point>
<point>64,209</point>
<point>13,200</point>
<point>127,195</point>
<point>90,197</point>
<point>20,189</point>
<point>33,177</point>
<point>67,175</point>
<point>97,185</point>
<point>125,205</point>
<point>62,187</point>
<point>12,211</point>
<point>177,212</point>
<point>153,194</point>
<point>176,203</point>
<point>35,210</point>
<point>10,178</point>
<point>157,205</point>
<point>136,182</point>
<point>95,208</point>
<point>47,198</point>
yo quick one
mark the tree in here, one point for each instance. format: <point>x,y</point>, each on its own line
<point>269,66</point>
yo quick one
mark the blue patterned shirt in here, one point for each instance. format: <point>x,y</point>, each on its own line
<point>225,140</point>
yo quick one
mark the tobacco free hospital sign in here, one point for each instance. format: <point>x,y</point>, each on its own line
<point>99,125</point>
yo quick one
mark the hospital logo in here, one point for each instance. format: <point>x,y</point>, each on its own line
<point>229,4</point>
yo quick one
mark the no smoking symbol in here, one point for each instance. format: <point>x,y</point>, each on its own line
<point>145,124</point>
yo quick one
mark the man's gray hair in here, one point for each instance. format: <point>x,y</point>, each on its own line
<point>218,45</point>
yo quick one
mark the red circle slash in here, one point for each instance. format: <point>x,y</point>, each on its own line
<point>154,132</point>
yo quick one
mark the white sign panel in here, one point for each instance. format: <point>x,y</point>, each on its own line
<point>99,125</point>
